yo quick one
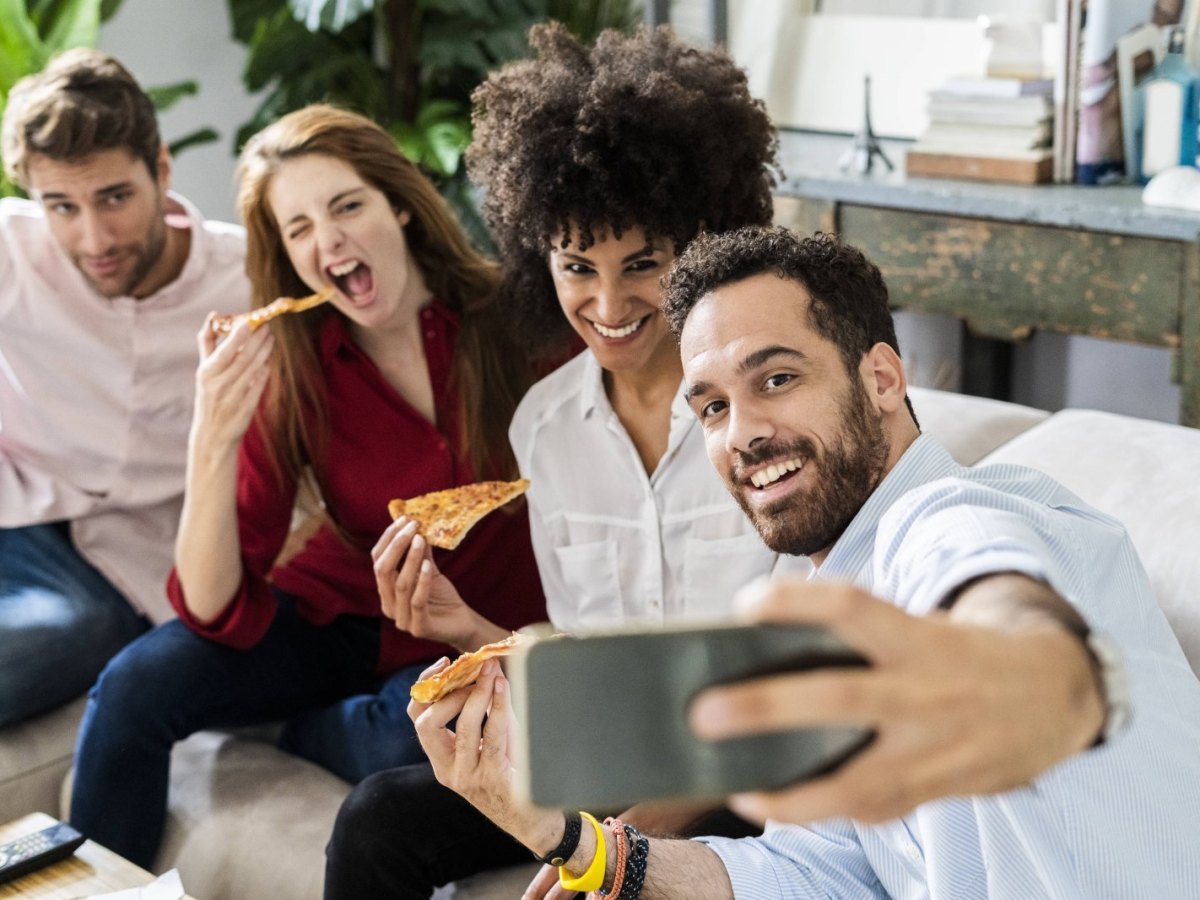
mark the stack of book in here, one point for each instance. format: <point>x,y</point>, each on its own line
<point>988,129</point>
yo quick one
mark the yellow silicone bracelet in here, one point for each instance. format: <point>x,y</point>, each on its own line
<point>593,878</point>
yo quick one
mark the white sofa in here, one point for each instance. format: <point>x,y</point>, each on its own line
<point>249,822</point>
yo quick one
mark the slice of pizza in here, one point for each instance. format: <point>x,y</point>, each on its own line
<point>463,671</point>
<point>264,314</point>
<point>447,516</point>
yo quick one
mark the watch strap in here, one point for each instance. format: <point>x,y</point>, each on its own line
<point>570,840</point>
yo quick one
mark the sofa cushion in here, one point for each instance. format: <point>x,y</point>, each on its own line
<point>971,427</point>
<point>246,820</point>
<point>1137,471</point>
<point>34,756</point>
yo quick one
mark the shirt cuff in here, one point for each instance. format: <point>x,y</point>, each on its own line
<point>750,866</point>
<point>990,562</point>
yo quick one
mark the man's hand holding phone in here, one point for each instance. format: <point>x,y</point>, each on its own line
<point>960,703</point>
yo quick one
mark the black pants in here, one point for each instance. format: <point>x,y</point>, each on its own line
<point>400,834</point>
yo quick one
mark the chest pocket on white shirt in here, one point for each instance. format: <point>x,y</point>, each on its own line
<point>593,582</point>
<point>713,571</point>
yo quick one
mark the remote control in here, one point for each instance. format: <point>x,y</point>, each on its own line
<point>36,850</point>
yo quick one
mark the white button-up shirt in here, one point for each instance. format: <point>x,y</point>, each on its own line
<point>96,394</point>
<point>614,545</point>
<point>1117,821</point>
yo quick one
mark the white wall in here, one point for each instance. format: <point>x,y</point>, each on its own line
<point>165,41</point>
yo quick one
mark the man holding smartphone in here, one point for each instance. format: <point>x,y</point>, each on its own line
<point>1009,629</point>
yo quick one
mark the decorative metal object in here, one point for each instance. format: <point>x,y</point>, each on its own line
<point>860,156</point>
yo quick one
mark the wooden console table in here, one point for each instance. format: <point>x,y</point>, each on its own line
<point>1007,260</point>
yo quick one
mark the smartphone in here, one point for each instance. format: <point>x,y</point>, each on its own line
<point>604,717</point>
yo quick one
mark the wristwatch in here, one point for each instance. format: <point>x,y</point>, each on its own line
<point>1114,685</point>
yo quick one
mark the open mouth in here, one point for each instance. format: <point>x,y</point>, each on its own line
<point>352,278</point>
<point>776,472</point>
<point>623,331</point>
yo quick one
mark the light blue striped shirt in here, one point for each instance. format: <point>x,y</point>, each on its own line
<point>1122,820</point>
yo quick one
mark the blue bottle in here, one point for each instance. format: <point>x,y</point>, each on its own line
<point>1167,108</point>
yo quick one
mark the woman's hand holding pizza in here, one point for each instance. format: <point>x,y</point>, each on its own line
<point>418,597</point>
<point>229,382</point>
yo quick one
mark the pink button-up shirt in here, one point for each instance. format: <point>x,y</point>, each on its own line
<point>96,394</point>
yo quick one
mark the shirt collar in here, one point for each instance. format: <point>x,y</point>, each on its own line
<point>592,396</point>
<point>924,461</point>
<point>335,331</point>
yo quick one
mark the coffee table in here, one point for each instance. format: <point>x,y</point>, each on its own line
<point>92,870</point>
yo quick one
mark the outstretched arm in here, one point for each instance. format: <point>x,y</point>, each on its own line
<point>975,701</point>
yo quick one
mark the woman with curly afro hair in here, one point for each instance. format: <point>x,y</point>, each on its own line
<point>598,166</point>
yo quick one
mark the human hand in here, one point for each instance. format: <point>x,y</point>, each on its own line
<point>957,709</point>
<point>547,885</point>
<point>475,759</point>
<point>230,379</point>
<point>418,597</point>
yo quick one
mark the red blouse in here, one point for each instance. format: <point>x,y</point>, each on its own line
<point>380,448</point>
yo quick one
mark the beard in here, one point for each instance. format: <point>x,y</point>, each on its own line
<point>145,256</point>
<point>845,476</point>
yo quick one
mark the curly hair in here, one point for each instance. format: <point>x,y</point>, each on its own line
<point>848,299</point>
<point>638,132</point>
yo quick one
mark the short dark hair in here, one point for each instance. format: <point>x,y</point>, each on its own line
<point>83,102</point>
<point>639,131</point>
<point>848,297</point>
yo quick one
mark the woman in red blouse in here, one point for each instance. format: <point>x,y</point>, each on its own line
<point>403,384</point>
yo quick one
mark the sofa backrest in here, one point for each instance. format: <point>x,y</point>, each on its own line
<point>1147,475</point>
<point>971,427</point>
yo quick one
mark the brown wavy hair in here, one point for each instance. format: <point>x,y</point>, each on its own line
<point>83,102</point>
<point>639,131</point>
<point>489,373</point>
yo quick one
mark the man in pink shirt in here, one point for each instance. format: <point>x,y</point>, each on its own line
<point>105,280</point>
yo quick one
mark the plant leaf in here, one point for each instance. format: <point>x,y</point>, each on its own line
<point>70,23</point>
<point>193,139</point>
<point>167,95</point>
<point>21,49</point>
<point>246,14</point>
<point>330,15</point>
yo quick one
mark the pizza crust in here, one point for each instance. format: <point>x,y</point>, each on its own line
<point>463,671</point>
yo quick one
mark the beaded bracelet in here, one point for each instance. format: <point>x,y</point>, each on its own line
<point>618,828</point>
<point>635,865</point>
<point>570,840</point>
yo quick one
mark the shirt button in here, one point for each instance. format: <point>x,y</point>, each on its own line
<point>441,445</point>
<point>913,852</point>
<point>427,314</point>
<point>429,335</point>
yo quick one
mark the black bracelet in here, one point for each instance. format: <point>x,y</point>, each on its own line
<point>570,840</point>
<point>635,864</point>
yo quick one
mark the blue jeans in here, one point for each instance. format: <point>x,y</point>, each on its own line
<point>171,683</point>
<point>60,621</point>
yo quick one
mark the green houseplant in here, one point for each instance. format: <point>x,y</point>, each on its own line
<point>408,64</point>
<point>32,31</point>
